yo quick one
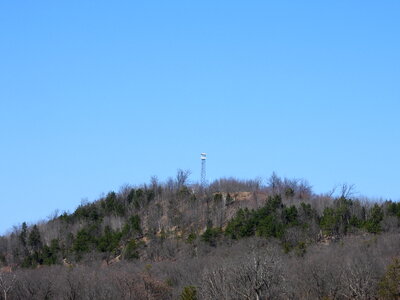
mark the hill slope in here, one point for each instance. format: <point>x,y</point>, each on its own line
<point>231,240</point>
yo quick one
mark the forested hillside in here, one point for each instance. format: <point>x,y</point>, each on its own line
<point>234,239</point>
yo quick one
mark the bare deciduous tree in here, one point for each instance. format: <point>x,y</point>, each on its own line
<point>7,281</point>
<point>255,274</point>
<point>182,177</point>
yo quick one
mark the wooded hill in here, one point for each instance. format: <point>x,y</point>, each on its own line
<point>234,239</point>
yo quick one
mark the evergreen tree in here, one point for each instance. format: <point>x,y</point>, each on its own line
<point>130,251</point>
<point>34,239</point>
<point>23,235</point>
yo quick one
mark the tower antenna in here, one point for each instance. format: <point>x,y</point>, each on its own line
<point>203,157</point>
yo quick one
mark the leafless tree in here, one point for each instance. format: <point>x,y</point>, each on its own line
<point>257,277</point>
<point>359,279</point>
<point>182,177</point>
<point>7,281</point>
<point>275,183</point>
<point>234,185</point>
<point>346,190</point>
<point>256,274</point>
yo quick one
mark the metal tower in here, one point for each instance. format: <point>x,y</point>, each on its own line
<point>203,157</point>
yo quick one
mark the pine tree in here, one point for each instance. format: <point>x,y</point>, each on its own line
<point>34,239</point>
<point>23,234</point>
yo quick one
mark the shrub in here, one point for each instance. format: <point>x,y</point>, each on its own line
<point>191,237</point>
<point>188,293</point>
<point>389,286</point>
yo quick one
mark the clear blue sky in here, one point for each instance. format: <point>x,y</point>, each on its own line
<point>95,94</point>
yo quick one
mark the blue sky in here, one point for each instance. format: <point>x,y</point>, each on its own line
<point>97,94</point>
